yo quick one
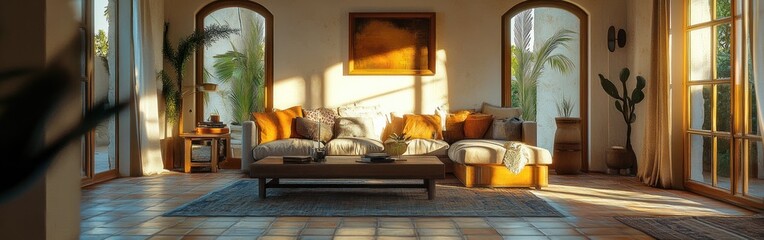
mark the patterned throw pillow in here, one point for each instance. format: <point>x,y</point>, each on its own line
<point>324,115</point>
<point>309,129</point>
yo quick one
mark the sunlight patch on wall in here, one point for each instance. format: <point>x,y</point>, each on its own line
<point>289,92</point>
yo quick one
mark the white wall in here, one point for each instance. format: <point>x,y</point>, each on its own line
<point>553,86</point>
<point>311,45</point>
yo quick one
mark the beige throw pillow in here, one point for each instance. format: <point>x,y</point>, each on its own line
<point>499,113</point>
<point>507,129</point>
<point>346,127</point>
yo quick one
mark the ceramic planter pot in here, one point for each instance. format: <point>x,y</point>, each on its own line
<point>619,158</point>
<point>567,145</point>
<point>396,148</point>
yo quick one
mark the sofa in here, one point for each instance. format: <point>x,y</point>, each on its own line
<point>476,162</point>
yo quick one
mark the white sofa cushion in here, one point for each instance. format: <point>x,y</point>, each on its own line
<point>429,147</point>
<point>486,151</point>
<point>353,146</point>
<point>284,147</point>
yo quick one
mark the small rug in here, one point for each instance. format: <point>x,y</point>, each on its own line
<point>698,227</point>
<point>241,199</point>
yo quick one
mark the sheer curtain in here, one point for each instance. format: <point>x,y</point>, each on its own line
<point>656,170</point>
<point>757,48</point>
<point>148,19</point>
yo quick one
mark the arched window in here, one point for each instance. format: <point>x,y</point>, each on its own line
<point>544,59</point>
<point>241,65</point>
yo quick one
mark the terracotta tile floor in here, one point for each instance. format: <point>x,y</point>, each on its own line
<point>130,208</point>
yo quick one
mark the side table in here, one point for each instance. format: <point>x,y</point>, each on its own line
<point>188,139</point>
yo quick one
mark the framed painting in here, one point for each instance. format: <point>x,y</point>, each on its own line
<point>392,44</point>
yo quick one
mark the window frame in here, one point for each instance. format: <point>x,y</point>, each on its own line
<point>739,135</point>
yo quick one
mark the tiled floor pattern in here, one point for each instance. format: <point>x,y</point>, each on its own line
<point>130,208</point>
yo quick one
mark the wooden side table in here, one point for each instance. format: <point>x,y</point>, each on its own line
<point>188,139</point>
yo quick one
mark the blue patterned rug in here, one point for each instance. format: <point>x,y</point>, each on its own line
<point>241,199</point>
<point>698,227</point>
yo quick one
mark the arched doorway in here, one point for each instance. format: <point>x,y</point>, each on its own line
<point>545,65</point>
<point>242,65</point>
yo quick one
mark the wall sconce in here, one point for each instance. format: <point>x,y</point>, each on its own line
<point>612,39</point>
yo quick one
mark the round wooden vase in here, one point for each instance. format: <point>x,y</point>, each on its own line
<point>567,145</point>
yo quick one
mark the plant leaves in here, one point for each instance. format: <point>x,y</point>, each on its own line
<point>618,106</point>
<point>609,87</point>
<point>625,74</point>
<point>633,118</point>
<point>637,96</point>
<point>641,82</point>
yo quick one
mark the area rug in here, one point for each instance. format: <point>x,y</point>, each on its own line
<point>698,227</point>
<point>241,199</point>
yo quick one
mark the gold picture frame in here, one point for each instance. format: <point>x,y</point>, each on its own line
<point>392,44</point>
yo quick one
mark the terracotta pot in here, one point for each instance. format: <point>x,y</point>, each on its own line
<point>567,145</point>
<point>619,158</point>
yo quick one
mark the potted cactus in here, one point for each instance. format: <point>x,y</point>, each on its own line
<point>624,157</point>
<point>396,144</point>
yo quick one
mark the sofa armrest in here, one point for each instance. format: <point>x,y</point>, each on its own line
<point>248,142</point>
<point>529,133</point>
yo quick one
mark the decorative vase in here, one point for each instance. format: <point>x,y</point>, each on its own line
<point>396,148</point>
<point>567,145</point>
<point>619,157</point>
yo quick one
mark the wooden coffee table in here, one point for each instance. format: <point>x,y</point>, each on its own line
<point>427,168</point>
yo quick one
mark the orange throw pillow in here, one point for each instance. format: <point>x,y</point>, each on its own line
<point>422,126</point>
<point>455,126</point>
<point>277,125</point>
<point>395,126</point>
<point>476,125</point>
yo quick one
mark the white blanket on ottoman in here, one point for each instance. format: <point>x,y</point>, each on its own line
<point>516,156</point>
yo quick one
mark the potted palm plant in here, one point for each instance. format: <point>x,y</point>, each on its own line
<point>623,157</point>
<point>528,63</point>
<point>242,71</point>
<point>171,88</point>
<point>567,139</point>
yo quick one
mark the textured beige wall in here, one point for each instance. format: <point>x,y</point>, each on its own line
<point>48,208</point>
<point>310,53</point>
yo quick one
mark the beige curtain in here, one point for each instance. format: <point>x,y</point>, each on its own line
<point>656,168</point>
<point>148,19</point>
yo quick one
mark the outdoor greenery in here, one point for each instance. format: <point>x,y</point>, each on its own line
<point>177,58</point>
<point>528,63</point>
<point>244,71</point>
<point>723,96</point>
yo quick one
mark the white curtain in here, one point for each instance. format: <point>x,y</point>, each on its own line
<point>147,30</point>
<point>757,39</point>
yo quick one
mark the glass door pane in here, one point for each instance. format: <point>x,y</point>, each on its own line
<point>755,173</point>
<point>103,86</point>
